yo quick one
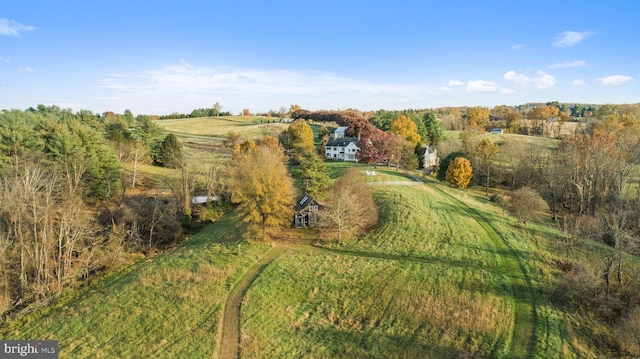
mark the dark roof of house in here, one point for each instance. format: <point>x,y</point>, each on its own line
<point>341,142</point>
<point>303,202</point>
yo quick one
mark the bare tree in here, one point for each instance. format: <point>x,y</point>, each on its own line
<point>349,206</point>
<point>525,202</point>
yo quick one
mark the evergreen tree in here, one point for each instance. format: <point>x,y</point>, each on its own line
<point>314,174</point>
<point>170,152</point>
<point>433,128</point>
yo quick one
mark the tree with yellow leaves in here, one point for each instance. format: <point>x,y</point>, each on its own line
<point>406,128</point>
<point>459,172</point>
<point>262,188</point>
<point>477,116</point>
<point>298,138</point>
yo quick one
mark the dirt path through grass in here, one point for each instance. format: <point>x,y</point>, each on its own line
<point>230,330</point>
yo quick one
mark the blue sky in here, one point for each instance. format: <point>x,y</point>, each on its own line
<point>158,57</point>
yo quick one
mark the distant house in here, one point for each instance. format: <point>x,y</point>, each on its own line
<point>497,131</point>
<point>343,148</point>
<point>306,212</point>
<point>430,157</point>
<point>339,132</point>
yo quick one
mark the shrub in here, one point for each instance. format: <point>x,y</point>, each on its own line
<point>497,199</point>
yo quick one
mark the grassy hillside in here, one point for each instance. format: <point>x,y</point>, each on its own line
<point>167,306</point>
<point>445,274</point>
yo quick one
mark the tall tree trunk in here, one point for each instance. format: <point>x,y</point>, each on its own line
<point>607,271</point>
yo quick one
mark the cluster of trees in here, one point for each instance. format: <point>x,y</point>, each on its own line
<point>402,145</point>
<point>539,119</point>
<point>357,124</point>
<point>67,213</point>
<point>58,169</point>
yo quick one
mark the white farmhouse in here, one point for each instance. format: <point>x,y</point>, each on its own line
<point>430,157</point>
<point>344,149</point>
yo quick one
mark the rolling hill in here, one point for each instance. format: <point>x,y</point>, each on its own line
<point>445,274</point>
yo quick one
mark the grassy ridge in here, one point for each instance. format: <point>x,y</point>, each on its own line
<point>168,306</point>
<point>251,126</point>
<point>421,223</point>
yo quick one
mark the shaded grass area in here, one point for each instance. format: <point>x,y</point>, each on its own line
<point>318,304</point>
<point>167,306</point>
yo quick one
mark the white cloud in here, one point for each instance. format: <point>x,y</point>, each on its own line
<point>482,86</point>
<point>615,80</point>
<point>541,81</point>
<point>25,69</point>
<point>183,86</point>
<point>445,89</point>
<point>564,64</point>
<point>516,47</point>
<point>504,91</point>
<point>6,61</point>
<point>12,28</point>
<point>578,83</point>
<point>571,38</point>
<point>455,83</point>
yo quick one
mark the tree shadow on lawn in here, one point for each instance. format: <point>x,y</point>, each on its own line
<point>341,343</point>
